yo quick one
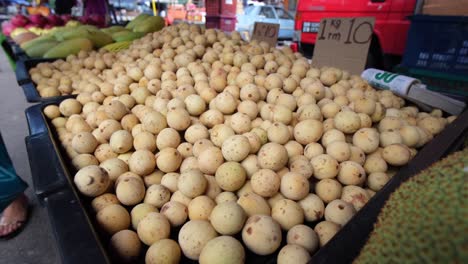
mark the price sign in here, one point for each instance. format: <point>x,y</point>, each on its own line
<point>344,43</point>
<point>267,32</point>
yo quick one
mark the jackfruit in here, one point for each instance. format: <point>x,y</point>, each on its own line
<point>426,219</point>
<point>40,49</point>
<point>68,47</point>
<point>151,24</point>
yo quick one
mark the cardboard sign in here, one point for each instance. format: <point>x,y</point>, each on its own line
<point>267,32</point>
<point>344,43</point>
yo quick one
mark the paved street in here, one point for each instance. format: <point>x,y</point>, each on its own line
<point>35,245</point>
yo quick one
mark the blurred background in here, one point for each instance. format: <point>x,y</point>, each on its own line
<point>437,42</point>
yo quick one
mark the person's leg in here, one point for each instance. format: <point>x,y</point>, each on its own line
<point>13,203</point>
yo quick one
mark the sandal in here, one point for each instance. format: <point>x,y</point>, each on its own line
<point>18,226</point>
<point>15,226</point>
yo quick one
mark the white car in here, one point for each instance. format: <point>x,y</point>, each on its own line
<point>267,14</point>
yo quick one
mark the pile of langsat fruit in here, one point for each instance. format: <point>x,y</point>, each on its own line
<point>198,130</point>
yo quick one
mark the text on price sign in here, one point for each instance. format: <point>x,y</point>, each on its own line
<point>344,43</point>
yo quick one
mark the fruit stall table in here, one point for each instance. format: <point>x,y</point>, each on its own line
<point>183,120</point>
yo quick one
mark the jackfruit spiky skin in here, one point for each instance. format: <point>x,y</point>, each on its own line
<point>426,219</point>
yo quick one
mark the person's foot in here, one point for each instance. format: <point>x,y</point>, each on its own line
<point>14,216</point>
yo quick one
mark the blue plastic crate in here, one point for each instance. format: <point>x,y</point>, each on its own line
<point>438,43</point>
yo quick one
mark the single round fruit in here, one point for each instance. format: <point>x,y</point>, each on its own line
<point>262,234</point>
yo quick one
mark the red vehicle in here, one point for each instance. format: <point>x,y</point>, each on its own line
<point>390,30</point>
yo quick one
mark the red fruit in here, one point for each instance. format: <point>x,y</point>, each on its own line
<point>97,20</point>
<point>38,20</point>
<point>66,18</point>
<point>54,20</point>
<point>7,28</point>
<point>19,21</point>
<point>84,19</point>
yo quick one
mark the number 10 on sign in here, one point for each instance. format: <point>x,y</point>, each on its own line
<point>357,32</point>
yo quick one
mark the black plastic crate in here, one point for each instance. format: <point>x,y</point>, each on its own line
<point>24,65</point>
<point>347,244</point>
<point>52,174</point>
<point>77,242</point>
<point>16,49</point>
<point>18,52</point>
<point>42,158</point>
<point>438,43</point>
<point>76,238</point>
<point>69,208</point>
<point>32,95</point>
<point>8,48</point>
<point>29,87</point>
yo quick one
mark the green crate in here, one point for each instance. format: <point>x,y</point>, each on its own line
<point>454,85</point>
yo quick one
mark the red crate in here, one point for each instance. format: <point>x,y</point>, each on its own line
<point>228,24</point>
<point>212,21</point>
<point>224,23</point>
<point>212,7</point>
<point>228,8</point>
